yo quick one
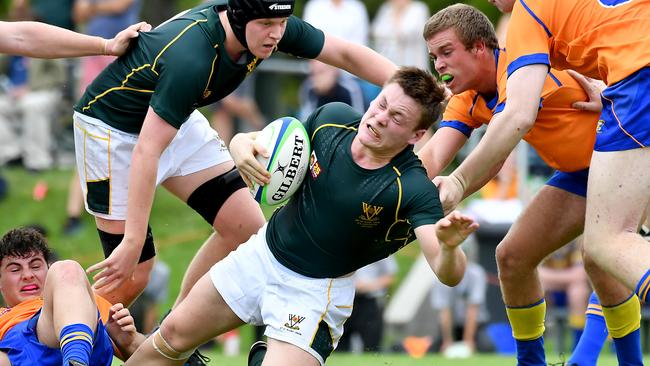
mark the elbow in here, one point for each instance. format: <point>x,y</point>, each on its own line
<point>451,280</point>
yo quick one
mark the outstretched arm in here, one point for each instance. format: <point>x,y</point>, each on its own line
<point>34,39</point>
<point>503,133</point>
<point>121,329</point>
<point>441,246</point>
<point>356,59</point>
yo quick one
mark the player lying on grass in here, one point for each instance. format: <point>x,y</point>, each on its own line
<point>52,317</point>
<point>366,196</point>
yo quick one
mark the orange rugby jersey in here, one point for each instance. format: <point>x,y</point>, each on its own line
<point>9,317</point>
<point>603,39</point>
<point>563,136</point>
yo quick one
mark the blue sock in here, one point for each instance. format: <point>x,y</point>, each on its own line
<point>628,349</point>
<point>76,342</point>
<point>643,287</point>
<point>593,337</point>
<point>531,353</point>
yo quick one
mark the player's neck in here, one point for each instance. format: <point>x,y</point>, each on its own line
<point>234,49</point>
<point>369,158</point>
<point>488,84</point>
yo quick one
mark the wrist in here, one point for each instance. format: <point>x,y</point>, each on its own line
<point>105,51</point>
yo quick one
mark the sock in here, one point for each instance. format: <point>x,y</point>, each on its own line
<point>528,329</point>
<point>76,342</point>
<point>623,323</point>
<point>256,358</point>
<point>643,286</point>
<point>593,336</point>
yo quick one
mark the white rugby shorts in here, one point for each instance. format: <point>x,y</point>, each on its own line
<point>103,156</point>
<point>306,312</point>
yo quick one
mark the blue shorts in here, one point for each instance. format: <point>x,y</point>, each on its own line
<point>625,120</point>
<point>575,182</point>
<point>21,344</point>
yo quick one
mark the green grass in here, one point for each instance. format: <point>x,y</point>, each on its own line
<point>404,360</point>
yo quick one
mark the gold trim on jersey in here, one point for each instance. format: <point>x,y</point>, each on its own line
<point>331,125</point>
<point>140,68</point>
<point>207,91</point>
<point>399,204</point>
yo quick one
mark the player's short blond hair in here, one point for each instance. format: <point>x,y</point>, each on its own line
<point>470,24</point>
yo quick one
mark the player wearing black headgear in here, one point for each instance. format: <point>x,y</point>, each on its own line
<point>240,12</point>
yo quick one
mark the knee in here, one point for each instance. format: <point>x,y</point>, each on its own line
<point>509,261</point>
<point>170,333</point>
<point>67,271</point>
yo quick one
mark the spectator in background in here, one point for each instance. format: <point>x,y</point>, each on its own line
<point>371,285</point>
<point>103,18</point>
<point>396,32</point>
<point>325,84</point>
<point>462,312</point>
<point>347,19</point>
<point>565,281</point>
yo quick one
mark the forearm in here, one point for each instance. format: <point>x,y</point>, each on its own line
<point>128,348</point>
<point>368,65</point>
<point>34,39</point>
<point>142,178</point>
<point>503,134</point>
<point>440,150</point>
<point>445,326</point>
<point>471,323</point>
<point>449,265</point>
<point>111,7</point>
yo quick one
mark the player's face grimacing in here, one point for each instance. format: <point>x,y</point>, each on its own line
<point>390,123</point>
<point>505,6</point>
<point>263,35</point>
<point>456,65</point>
<point>22,278</point>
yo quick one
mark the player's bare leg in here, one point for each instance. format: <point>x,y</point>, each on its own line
<point>281,353</point>
<point>617,198</point>
<point>238,219</point>
<point>133,287</point>
<point>200,317</point>
<point>552,219</point>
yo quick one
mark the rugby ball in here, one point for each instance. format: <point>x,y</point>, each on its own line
<point>287,142</point>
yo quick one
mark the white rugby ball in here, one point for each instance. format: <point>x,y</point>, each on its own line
<point>287,142</point>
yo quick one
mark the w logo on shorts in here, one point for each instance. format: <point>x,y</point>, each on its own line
<point>293,322</point>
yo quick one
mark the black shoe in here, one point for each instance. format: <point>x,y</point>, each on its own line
<point>258,347</point>
<point>76,363</point>
<point>197,359</point>
<point>72,226</point>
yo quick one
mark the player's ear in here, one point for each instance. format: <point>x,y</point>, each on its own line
<point>417,135</point>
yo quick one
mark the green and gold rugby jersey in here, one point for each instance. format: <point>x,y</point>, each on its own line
<point>344,216</point>
<point>180,66</point>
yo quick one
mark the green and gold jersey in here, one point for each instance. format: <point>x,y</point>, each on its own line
<point>180,66</point>
<point>344,216</point>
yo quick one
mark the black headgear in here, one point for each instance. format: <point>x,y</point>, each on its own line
<point>240,12</point>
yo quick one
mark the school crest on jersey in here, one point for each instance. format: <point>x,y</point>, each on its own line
<point>314,167</point>
<point>599,126</point>
<point>369,217</point>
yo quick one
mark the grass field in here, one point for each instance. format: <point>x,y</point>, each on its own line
<point>179,232</point>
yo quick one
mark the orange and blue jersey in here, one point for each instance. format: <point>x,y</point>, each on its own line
<point>603,39</point>
<point>562,135</point>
